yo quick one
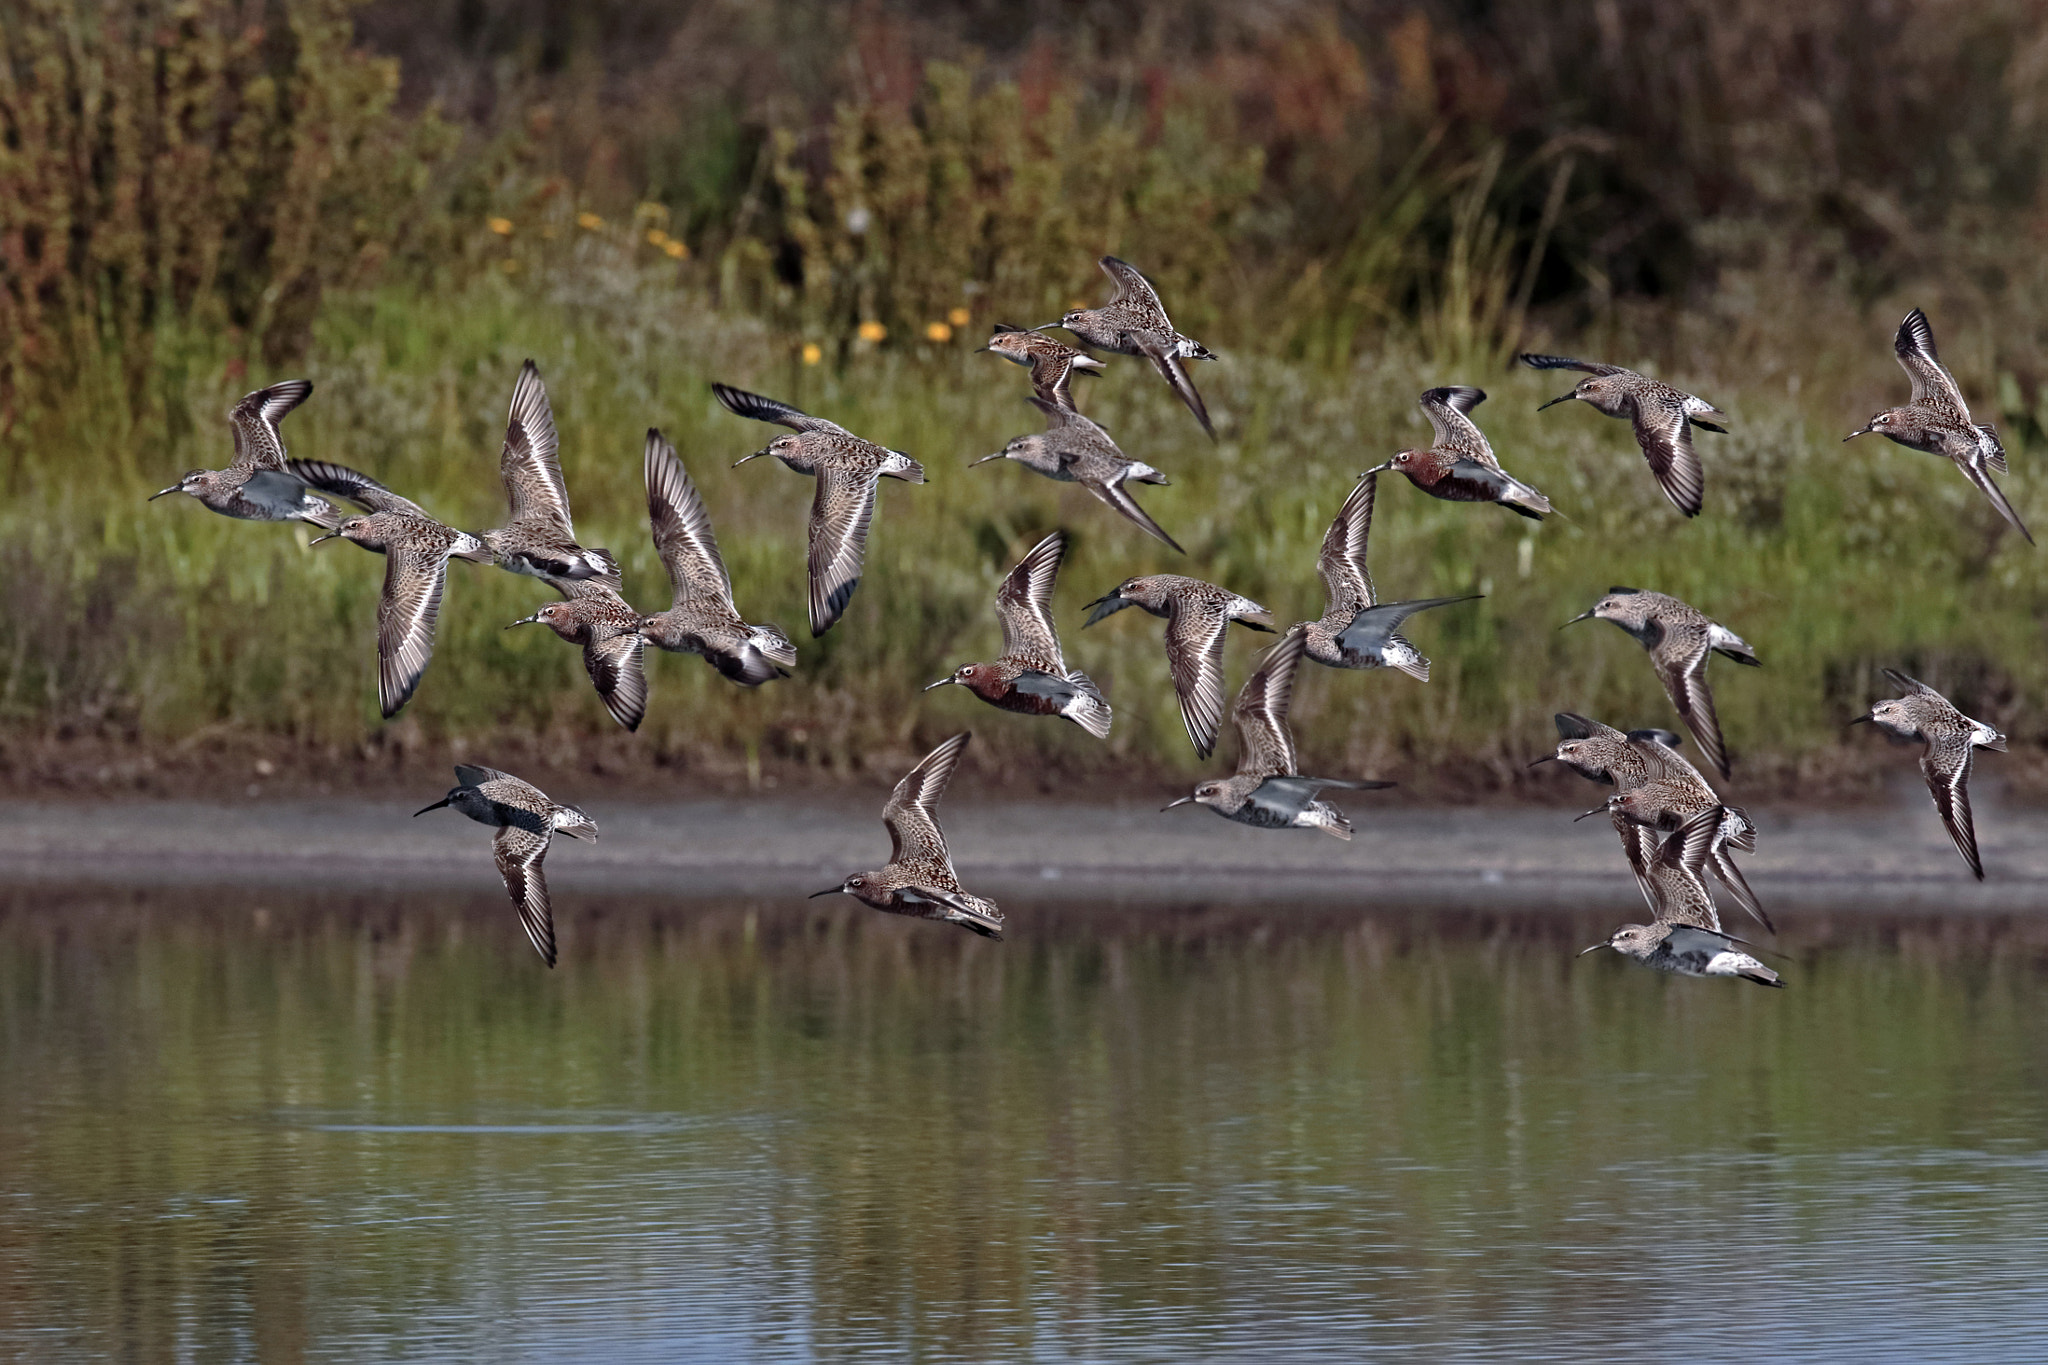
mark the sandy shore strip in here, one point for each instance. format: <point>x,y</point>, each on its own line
<point>1892,857</point>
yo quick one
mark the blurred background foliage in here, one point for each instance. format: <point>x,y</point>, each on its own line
<point>832,203</point>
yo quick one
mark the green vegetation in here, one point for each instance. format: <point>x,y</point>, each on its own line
<point>408,264</point>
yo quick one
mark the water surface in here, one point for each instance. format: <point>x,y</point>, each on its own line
<point>235,1124</point>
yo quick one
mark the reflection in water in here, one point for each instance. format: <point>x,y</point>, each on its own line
<point>239,1124</point>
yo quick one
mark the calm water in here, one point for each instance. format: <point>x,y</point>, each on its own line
<point>235,1125</point>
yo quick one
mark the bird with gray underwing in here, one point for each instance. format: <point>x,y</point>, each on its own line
<point>919,879</point>
<point>1952,740</point>
<point>1459,465</point>
<point>1935,419</point>
<point>538,538</point>
<point>1134,323</point>
<point>1685,936</point>
<point>1680,639</point>
<point>258,484</point>
<point>1073,449</point>
<point>1198,615</point>
<point>1357,630</point>
<point>1268,790</point>
<point>1031,676</point>
<point>847,469</point>
<point>1662,417</point>
<point>526,819</point>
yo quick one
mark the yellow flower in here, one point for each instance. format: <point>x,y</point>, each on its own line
<point>813,353</point>
<point>509,266</point>
<point>656,237</point>
<point>675,249</point>
<point>501,226</point>
<point>937,331</point>
<point>588,221</point>
<point>871,331</point>
<point>959,317</point>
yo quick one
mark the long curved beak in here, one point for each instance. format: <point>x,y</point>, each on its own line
<point>525,620</point>
<point>436,806</point>
<point>1547,758</point>
<point>1061,322</point>
<point>1586,615</point>
<point>1171,804</point>
<point>1861,720</point>
<point>986,458</point>
<point>940,683</point>
<point>1594,949</point>
<point>331,535</point>
<point>172,489</point>
<point>1854,434</point>
<point>1107,605</point>
<point>828,891</point>
<point>755,456</point>
<point>1597,810</point>
<point>1376,469</point>
<point>1563,398</point>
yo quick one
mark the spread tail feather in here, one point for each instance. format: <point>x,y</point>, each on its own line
<point>1088,709</point>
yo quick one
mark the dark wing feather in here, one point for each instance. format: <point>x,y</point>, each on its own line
<point>254,422</point>
<point>519,853</point>
<point>1024,605</point>
<point>1639,842</point>
<point>682,527</point>
<point>743,404</point>
<point>1347,583</point>
<point>1116,495</point>
<point>1169,365</point>
<point>840,514</point>
<point>1449,410</point>
<point>529,463</point>
<point>1933,386</point>
<point>617,669</point>
<point>1265,743</point>
<point>342,482</point>
<point>1946,766</point>
<point>912,815</point>
<point>1194,655</point>
<point>1684,676</point>
<point>1665,435</point>
<point>414,576</point>
<point>1558,362</point>
<point>1572,725</point>
<point>1131,287</point>
<point>1976,474</point>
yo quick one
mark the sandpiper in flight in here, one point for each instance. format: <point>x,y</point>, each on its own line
<point>1268,790</point>
<point>847,469</point>
<point>1030,675</point>
<point>1357,630</point>
<point>526,820</point>
<point>702,619</point>
<point>538,538</point>
<point>257,485</point>
<point>1197,616</point>
<point>593,617</point>
<point>1460,466</point>
<point>1053,364</point>
<point>1680,638</point>
<point>1952,740</point>
<point>1134,322</point>
<point>1685,935</point>
<point>1659,791</point>
<point>1663,418</point>
<point>1073,449</point>
<point>1937,420</point>
<point>919,878</point>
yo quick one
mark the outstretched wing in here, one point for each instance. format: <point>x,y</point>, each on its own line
<point>912,813</point>
<point>840,513</point>
<point>1449,410</point>
<point>1116,495</point>
<point>1131,288</point>
<point>682,527</point>
<point>1168,362</point>
<point>1681,665</point>
<point>1558,362</point>
<point>617,669</point>
<point>519,851</point>
<point>258,445</point>
<point>743,404</point>
<point>1194,655</point>
<point>1024,605</point>
<point>414,576</point>
<point>1265,744</point>
<point>528,464</point>
<point>1946,766</point>
<point>1665,435</point>
<point>1347,583</point>
<point>1680,895</point>
<point>1572,725</point>
<point>340,481</point>
<point>1933,386</point>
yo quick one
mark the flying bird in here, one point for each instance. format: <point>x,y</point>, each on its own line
<point>1460,466</point>
<point>1134,322</point>
<point>1030,675</point>
<point>847,469</point>
<point>527,820</point>
<point>1073,449</point>
<point>1663,418</point>
<point>1268,791</point>
<point>1053,364</point>
<point>1937,420</point>
<point>1197,616</point>
<point>1952,740</point>
<point>919,878</point>
<point>538,538</point>
<point>596,619</point>
<point>1685,935</point>
<point>1357,630</point>
<point>1679,638</point>
<point>257,485</point>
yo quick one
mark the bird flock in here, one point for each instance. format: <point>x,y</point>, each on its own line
<point>1676,831</point>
